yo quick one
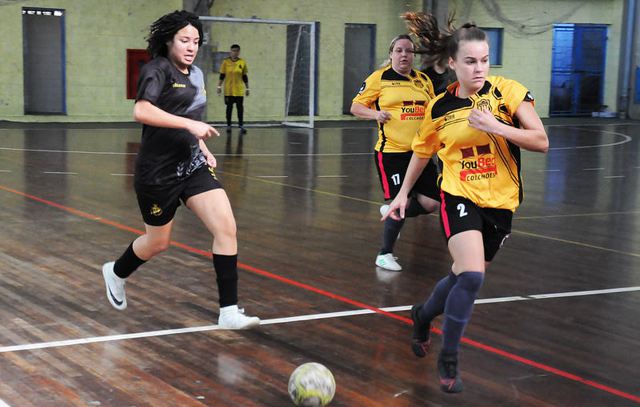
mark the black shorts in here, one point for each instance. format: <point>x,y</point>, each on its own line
<point>229,100</point>
<point>458,214</point>
<point>158,203</point>
<point>392,168</point>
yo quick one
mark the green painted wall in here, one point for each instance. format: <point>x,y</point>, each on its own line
<point>264,47</point>
<point>98,32</point>
<point>528,58</point>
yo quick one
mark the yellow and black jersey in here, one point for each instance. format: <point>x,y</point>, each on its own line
<point>405,97</point>
<point>480,166</point>
<point>233,73</point>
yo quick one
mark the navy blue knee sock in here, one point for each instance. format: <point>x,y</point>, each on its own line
<point>458,309</point>
<point>434,306</point>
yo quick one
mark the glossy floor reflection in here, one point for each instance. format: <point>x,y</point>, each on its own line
<point>306,204</point>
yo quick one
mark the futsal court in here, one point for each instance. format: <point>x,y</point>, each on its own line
<point>556,322</point>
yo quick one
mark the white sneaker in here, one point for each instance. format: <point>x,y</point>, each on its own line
<point>232,317</point>
<point>115,287</point>
<point>388,262</point>
<point>384,209</point>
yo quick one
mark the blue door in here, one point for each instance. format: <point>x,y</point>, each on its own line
<point>577,69</point>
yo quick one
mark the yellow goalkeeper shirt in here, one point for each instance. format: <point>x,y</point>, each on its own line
<point>233,72</point>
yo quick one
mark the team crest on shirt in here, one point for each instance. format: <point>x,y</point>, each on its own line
<point>418,83</point>
<point>483,104</point>
<point>364,85</point>
<point>155,210</point>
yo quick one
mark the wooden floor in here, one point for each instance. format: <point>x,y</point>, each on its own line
<point>557,322</point>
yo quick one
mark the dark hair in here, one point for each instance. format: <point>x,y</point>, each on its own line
<point>165,28</point>
<point>438,44</point>
<point>235,46</point>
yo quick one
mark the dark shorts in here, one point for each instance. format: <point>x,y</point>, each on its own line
<point>392,168</point>
<point>158,203</point>
<point>229,100</point>
<point>459,214</point>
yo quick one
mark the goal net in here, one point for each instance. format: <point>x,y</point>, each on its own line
<point>280,56</point>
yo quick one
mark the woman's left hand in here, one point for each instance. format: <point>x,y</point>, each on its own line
<point>211,160</point>
<point>483,120</point>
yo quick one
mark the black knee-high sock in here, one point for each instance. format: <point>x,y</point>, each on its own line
<point>127,263</point>
<point>434,306</point>
<point>240,107</point>
<point>458,309</point>
<point>390,234</point>
<point>229,111</point>
<point>227,277</point>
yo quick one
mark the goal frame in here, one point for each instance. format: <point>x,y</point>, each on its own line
<point>312,58</point>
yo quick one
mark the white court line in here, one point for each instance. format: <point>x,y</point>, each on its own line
<point>614,176</point>
<point>4,171</point>
<point>122,175</point>
<point>60,172</point>
<point>164,332</point>
<point>593,169</point>
<point>272,176</point>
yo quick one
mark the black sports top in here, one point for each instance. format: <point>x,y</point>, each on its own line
<point>166,155</point>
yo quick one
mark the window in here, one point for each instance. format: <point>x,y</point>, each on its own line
<point>495,44</point>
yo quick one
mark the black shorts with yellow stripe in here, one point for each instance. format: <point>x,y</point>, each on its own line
<point>459,214</point>
<point>158,203</point>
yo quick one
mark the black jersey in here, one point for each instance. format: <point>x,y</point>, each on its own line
<point>440,80</point>
<point>168,155</point>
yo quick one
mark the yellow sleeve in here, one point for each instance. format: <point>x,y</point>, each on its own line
<point>223,66</point>
<point>516,94</point>
<point>245,70</point>
<point>369,91</point>
<point>426,142</point>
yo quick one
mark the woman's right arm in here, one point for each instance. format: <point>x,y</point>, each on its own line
<point>363,112</point>
<point>147,113</point>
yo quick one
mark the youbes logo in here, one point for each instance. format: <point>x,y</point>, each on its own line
<point>412,111</point>
<point>478,163</point>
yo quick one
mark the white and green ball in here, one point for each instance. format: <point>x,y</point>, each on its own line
<point>312,384</point>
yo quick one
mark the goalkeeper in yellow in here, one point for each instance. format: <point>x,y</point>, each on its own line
<point>234,75</point>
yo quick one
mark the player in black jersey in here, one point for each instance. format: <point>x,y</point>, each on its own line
<point>175,166</point>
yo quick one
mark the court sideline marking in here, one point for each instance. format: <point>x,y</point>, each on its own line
<point>298,318</point>
<point>358,304</point>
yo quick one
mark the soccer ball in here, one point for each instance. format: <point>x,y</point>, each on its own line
<point>311,384</point>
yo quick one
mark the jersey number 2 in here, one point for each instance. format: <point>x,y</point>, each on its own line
<point>463,211</point>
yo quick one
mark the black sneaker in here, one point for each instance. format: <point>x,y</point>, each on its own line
<point>450,382</point>
<point>420,340</point>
